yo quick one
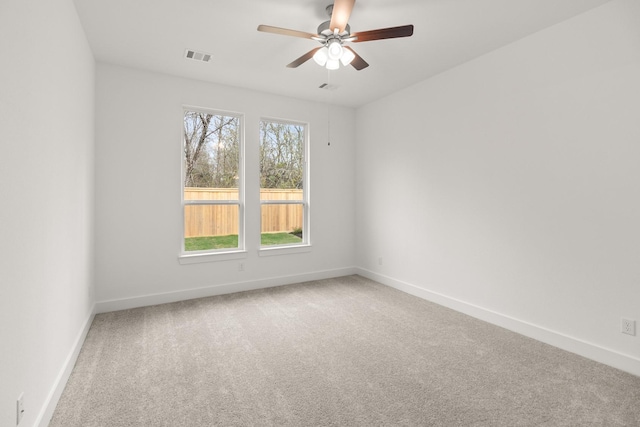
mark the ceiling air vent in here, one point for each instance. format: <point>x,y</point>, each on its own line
<point>198,56</point>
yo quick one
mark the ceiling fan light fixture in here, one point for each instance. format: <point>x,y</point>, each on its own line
<point>347,57</point>
<point>333,64</point>
<point>321,56</point>
<point>334,49</point>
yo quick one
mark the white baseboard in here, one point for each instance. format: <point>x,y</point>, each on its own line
<point>586,349</point>
<point>63,376</point>
<point>182,295</point>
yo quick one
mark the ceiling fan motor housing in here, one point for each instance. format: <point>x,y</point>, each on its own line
<point>325,29</point>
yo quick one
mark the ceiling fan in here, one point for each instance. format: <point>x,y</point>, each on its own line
<point>333,34</point>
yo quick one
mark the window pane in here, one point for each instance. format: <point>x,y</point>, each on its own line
<point>282,224</point>
<point>211,156</point>
<point>281,159</point>
<point>208,227</point>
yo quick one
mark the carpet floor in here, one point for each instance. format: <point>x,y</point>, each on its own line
<point>337,352</point>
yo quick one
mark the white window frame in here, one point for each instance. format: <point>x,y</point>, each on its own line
<point>305,245</point>
<point>191,257</point>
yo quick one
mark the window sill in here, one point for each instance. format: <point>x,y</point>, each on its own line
<point>211,257</point>
<point>284,250</point>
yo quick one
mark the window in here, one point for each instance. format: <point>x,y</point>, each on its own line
<point>283,184</point>
<point>212,197</point>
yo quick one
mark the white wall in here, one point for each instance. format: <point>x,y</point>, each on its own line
<point>138,212</point>
<point>514,198</point>
<point>512,192</point>
<point>46,192</point>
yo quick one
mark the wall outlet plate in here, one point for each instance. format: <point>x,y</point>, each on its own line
<point>628,326</point>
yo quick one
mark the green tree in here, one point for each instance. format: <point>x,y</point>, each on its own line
<point>212,150</point>
<point>281,155</point>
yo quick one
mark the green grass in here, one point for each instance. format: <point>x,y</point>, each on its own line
<point>210,242</point>
<point>268,239</point>
<point>231,241</point>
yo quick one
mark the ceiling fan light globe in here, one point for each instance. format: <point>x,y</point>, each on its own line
<point>335,50</point>
<point>347,57</point>
<point>333,64</point>
<point>321,56</point>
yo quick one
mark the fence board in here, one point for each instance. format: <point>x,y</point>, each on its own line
<point>222,220</point>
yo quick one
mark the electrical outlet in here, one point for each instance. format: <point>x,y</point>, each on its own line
<point>380,261</point>
<point>628,327</point>
<point>19,408</point>
<point>241,266</point>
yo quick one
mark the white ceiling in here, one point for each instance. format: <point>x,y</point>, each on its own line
<point>154,34</point>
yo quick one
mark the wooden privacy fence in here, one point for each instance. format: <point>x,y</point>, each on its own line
<point>222,220</point>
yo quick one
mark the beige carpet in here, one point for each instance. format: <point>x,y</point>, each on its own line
<point>338,352</point>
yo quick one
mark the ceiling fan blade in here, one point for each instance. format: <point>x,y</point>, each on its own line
<point>285,32</point>
<point>340,15</point>
<point>384,33</point>
<point>358,63</point>
<point>304,58</point>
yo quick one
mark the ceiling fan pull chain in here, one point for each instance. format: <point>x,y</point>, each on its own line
<point>329,108</point>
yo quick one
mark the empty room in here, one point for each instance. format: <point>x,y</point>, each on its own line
<point>317,213</point>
